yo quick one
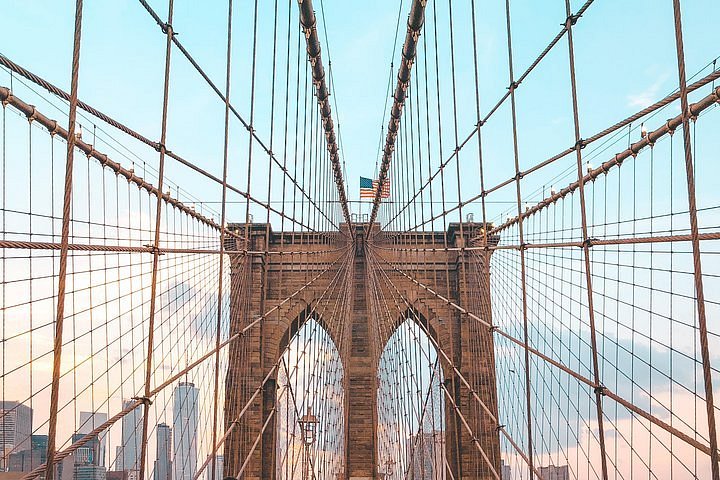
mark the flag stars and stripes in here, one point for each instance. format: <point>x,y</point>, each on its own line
<point>368,187</point>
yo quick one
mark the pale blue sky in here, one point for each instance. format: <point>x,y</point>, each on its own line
<point>625,61</point>
<point>625,55</point>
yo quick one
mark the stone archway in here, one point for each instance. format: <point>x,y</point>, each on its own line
<point>261,284</point>
<point>413,417</point>
<point>300,379</point>
<point>264,282</point>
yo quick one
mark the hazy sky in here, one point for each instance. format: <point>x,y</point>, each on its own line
<point>625,61</point>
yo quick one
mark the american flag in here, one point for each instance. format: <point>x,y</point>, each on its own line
<point>368,187</point>
<point>385,190</point>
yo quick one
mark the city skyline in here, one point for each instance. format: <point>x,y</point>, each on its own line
<point>24,450</point>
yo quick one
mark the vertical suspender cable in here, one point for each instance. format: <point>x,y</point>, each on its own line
<point>523,274</point>
<point>308,22</point>
<point>415,23</point>
<point>218,326</point>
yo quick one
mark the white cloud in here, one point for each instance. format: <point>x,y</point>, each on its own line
<point>648,96</point>
<point>632,450</point>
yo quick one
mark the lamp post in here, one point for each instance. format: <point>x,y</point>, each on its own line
<point>389,464</point>
<point>308,426</point>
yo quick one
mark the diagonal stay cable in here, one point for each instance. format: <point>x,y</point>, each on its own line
<point>449,361</point>
<point>155,145</point>
<point>409,51</point>
<point>308,22</point>
<point>606,392</point>
<point>247,125</point>
<point>498,104</point>
<point>35,473</point>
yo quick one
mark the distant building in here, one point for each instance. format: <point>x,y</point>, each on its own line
<point>131,433</point>
<point>118,459</point>
<point>89,421</point>
<point>428,456</point>
<point>15,430</point>
<point>65,470</point>
<point>117,475</point>
<point>88,460</point>
<point>163,462</point>
<point>90,472</point>
<point>505,472</point>
<point>26,460</point>
<point>553,472</point>
<point>185,419</point>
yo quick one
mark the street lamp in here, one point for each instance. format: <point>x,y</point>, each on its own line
<point>308,426</point>
<point>389,464</point>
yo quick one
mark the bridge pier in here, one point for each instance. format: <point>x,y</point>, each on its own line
<point>362,381</point>
<point>260,282</point>
<point>246,372</point>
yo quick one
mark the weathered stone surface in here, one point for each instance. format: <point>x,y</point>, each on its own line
<point>260,282</point>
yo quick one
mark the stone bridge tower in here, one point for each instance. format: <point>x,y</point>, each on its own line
<point>260,282</point>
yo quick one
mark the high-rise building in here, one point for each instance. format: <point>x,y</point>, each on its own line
<point>553,472</point>
<point>89,463</point>
<point>163,462</point>
<point>65,470</point>
<point>89,421</point>
<point>131,433</point>
<point>505,471</point>
<point>26,460</point>
<point>118,459</point>
<point>15,430</point>
<point>185,419</point>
